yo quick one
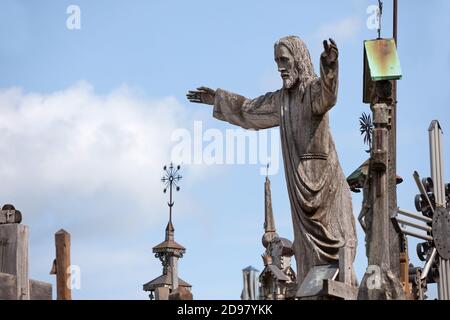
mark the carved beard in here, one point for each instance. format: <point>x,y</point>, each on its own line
<point>292,80</point>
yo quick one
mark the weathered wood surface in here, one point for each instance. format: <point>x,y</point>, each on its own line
<point>320,198</point>
<point>181,293</point>
<point>339,290</point>
<point>38,290</point>
<point>14,256</point>
<point>313,284</point>
<point>62,243</point>
<point>162,293</point>
<point>394,236</point>
<point>380,253</point>
<point>346,262</point>
<point>8,287</point>
<point>9,215</point>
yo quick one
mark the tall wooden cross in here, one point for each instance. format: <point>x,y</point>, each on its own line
<point>14,276</point>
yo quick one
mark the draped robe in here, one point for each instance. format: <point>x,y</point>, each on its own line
<point>319,195</point>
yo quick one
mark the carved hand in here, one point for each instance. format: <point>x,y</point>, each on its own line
<point>330,53</point>
<point>202,95</point>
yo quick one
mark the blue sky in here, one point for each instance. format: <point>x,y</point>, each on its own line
<point>87,115</point>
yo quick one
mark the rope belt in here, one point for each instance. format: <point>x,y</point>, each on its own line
<point>314,156</point>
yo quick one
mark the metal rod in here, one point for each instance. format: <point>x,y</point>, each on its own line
<point>447,270</point>
<point>428,265</point>
<point>422,190</point>
<point>380,13</point>
<point>170,201</point>
<point>446,282</point>
<point>414,225</point>
<point>441,292</point>
<point>395,22</point>
<point>439,159</point>
<point>439,281</point>
<point>444,279</point>
<point>416,235</point>
<point>434,163</point>
<point>395,239</point>
<point>437,171</point>
<point>415,216</point>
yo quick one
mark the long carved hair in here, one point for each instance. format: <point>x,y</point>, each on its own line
<point>302,58</point>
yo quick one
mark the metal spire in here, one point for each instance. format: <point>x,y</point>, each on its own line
<point>269,221</point>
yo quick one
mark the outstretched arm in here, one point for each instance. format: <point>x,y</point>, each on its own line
<point>259,113</point>
<point>324,90</point>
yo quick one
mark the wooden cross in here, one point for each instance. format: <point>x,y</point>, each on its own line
<point>14,281</point>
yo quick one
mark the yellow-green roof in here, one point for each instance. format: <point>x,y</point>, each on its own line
<point>383,60</point>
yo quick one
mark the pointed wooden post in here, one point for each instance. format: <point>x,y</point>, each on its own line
<point>61,265</point>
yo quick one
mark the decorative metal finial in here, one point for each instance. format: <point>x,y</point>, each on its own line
<point>171,178</point>
<point>366,129</point>
<point>267,168</point>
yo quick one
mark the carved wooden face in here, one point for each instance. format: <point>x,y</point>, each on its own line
<point>286,66</point>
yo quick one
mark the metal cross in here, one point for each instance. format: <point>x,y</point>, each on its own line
<point>171,178</point>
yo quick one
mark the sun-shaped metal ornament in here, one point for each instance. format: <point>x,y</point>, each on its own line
<point>366,129</point>
<point>171,179</point>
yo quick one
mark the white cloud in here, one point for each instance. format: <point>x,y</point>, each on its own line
<point>75,145</point>
<point>342,30</point>
<point>90,164</point>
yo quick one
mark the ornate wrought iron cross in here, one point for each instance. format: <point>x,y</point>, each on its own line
<point>171,179</point>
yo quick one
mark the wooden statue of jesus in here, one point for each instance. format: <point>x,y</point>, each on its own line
<point>319,195</point>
